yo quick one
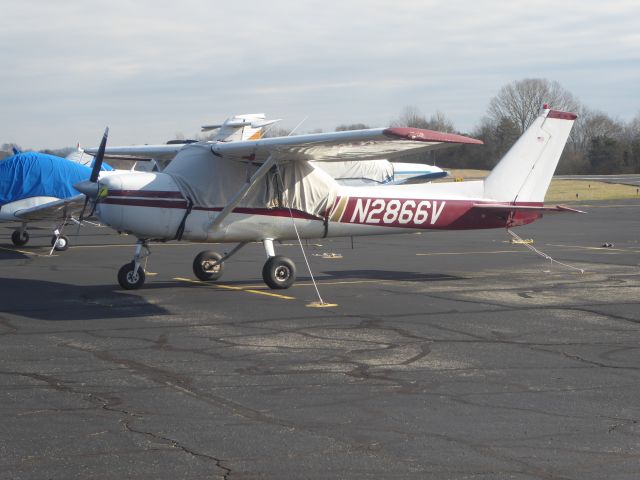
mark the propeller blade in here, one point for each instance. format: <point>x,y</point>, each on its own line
<point>97,162</point>
<point>86,187</point>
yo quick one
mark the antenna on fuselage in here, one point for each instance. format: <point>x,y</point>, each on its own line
<point>298,126</point>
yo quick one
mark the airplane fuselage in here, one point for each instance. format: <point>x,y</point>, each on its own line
<point>151,206</point>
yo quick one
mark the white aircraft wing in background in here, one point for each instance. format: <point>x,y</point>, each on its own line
<point>49,210</point>
<point>238,128</point>
<point>161,153</point>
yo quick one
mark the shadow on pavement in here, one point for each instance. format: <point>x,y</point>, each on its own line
<point>55,301</point>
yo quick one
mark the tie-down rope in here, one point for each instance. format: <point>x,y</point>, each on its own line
<point>542,254</point>
<point>313,280</point>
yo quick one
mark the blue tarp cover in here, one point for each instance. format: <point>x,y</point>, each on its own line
<point>33,174</point>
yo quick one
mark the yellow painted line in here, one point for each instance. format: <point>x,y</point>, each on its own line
<point>26,252</point>
<point>239,289</point>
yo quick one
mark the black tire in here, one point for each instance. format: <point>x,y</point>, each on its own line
<point>202,266</point>
<point>279,272</point>
<point>19,240</point>
<point>127,280</point>
<point>61,244</point>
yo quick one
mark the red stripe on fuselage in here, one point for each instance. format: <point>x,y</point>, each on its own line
<point>141,202</point>
<point>420,213</point>
<point>182,204</point>
<point>145,194</point>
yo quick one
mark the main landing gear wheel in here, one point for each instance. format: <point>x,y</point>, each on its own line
<point>279,272</point>
<point>127,279</point>
<point>60,244</point>
<point>203,266</point>
<point>19,238</point>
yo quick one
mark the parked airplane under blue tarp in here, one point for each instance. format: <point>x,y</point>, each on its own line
<point>37,186</point>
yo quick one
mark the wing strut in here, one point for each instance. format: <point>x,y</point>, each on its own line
<point>237,198</point>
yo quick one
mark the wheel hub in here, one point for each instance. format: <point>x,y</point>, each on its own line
<point>211,267</point>
<point>132,277</point>
<point>282,273</point>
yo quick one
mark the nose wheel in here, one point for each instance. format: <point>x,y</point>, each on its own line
<point>59,243</point>
<point>131,275</point>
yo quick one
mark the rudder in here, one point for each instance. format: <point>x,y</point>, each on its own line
<point>523,175</point>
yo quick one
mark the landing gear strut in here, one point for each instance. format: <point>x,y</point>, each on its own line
<point>131,275</point>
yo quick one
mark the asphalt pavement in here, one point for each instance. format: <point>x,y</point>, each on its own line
<point>456,355</point>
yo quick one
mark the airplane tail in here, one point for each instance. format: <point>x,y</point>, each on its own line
<point>524,173</point>
<point>240,127</point>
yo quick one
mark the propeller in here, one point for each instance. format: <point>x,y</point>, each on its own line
<point>90,187</point>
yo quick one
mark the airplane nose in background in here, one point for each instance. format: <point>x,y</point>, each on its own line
<point>89,188</point>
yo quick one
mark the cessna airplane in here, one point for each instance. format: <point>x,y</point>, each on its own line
<point>271,189</point>
<point>35,186</point>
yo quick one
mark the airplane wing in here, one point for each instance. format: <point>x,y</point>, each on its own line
<point>370,144</point>
<point>53,210</point>
<point>162,153</point>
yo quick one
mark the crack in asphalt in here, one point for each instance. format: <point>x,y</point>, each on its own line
<point>175,444</point>
<point>375,338</point>
<point>110,404</point>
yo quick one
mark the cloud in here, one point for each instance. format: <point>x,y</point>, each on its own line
<point>153,68</point>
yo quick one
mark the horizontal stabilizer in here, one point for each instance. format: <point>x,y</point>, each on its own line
<point>505,207</point>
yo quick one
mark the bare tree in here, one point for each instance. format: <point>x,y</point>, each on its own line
<point>439,122</point>
<point>521,101</point>
<point>8,147</point>
<point>412,117</point>
<point>352,126</point>
<point>276,132</point>
<point>591,124</point>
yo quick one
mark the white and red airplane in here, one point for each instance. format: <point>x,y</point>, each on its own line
<point>271,189</point>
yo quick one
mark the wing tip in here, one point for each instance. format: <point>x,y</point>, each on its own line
<point>423,135</point>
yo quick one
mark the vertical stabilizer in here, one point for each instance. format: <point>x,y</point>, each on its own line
<point>241,127</point>
<point>524,173</point>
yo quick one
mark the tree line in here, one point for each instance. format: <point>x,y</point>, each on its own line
<point>599,144</point>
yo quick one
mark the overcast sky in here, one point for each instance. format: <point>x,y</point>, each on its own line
<point>151,69</point>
